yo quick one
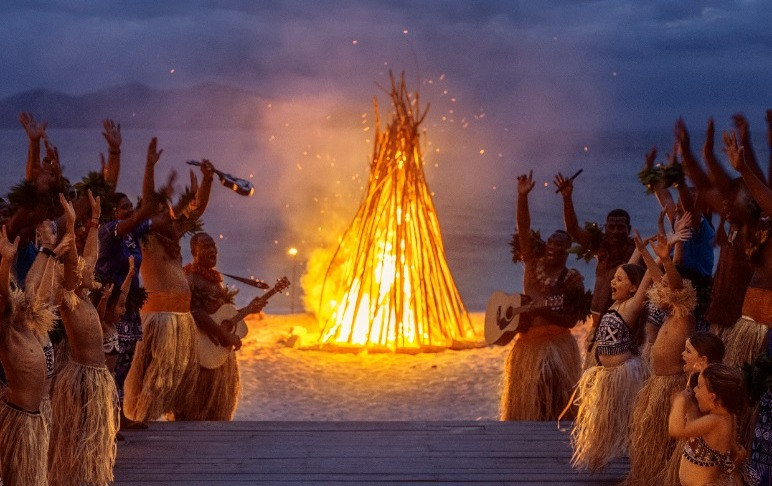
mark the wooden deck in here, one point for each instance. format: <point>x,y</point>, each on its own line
<point>224,453</point>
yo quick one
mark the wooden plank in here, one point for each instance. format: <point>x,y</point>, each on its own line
<point>352,452</point>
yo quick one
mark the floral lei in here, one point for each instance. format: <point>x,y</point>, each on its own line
<point>209,274</point>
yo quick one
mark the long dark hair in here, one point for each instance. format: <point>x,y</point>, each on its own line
<point>728,385</point>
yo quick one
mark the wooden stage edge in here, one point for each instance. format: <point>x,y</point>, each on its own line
<point>453,452</point>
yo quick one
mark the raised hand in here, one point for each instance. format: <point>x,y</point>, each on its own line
<point>525,183</point>
<point>650,157</point>
<point>96,206</point>
<point>682,136</point>
<point>152,154</point>
<point>710,134</point>
<point>34,130</point>
<point>168,189</point>
<point>640,245</point>
<point>741,124</point>
<point>8,248</point>
<point>682,228</point>
<point>52,153</point>
<point>734,151</point>
<point>564,184</point>
<point>207,169</point>
<point>660,246</point>
<point>112,134</point>
<point>64,244</point>
<point>69,213</point>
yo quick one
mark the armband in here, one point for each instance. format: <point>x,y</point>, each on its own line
<point>48,252</point>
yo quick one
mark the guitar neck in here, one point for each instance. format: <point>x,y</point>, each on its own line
<point>245,311</point>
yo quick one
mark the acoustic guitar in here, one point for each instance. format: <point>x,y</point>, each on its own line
<point>212,355</point>
<point>502,314</point>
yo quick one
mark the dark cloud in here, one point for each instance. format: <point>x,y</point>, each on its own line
<point>570,61</point>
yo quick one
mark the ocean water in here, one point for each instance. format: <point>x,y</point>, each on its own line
<point>305,194</point>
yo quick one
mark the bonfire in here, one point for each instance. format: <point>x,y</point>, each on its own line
<point>388,285</point>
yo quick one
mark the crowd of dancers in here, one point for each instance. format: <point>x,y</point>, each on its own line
<point>677,365</point>
<point>85,349</point>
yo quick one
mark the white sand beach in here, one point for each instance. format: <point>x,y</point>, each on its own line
<point>279,382</point>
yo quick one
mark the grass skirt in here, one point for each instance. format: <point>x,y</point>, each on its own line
<point>651,446</point>
<point>606,397</point>
<point>743,342</point>
<point>540,374</point>
<point>217,394</point>
<point>84,424</point>
<point>164,367</point>
<point>23,447</point>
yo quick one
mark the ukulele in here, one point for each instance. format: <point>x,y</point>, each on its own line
<point>212,355</point>
<point>502,314</point>
<point>236,184</point>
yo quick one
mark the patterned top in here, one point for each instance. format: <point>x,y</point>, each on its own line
<point>698,452</point>
<point>761,450</point>
<point>613,336</point>
<point>48,351</point>
<point>654,315</point>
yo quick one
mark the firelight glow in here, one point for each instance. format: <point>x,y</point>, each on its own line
<point>388,285</point>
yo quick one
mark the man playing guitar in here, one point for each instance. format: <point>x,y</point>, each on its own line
<point>544,363</point>
<point>219,387</point>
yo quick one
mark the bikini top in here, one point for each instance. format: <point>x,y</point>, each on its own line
<point>613,336</point>
<point>654,315</point>
<point>698,452</point>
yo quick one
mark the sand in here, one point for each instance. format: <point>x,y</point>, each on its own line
<point>280,382</point>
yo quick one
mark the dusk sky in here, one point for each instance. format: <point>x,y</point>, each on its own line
<point>563,64</point>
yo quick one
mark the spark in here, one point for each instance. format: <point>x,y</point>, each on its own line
<point>405,31</point>
<point>171,71</point>
<point>586,148</point>
<point>355,42</point>
<point>292,251</point>
<point>482,151</point>
<point>546,184</point>
<point>221,236</point>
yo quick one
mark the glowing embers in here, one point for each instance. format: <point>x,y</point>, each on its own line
<point>388,285</point>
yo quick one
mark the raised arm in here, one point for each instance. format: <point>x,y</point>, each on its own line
<point>681,428</point>
<point>760,192</point>
<point>708,184</point>
<point>91,248</point>
<point>744,129</point>
<point>202,194</point>
<point>674,280</point>
<point>651,265</point>
<point>769,144</point>
<point>566,189</point>
<point>112,169</point>
<point>523,227</point>
<point>8,253</point>
<point>148,181</point>
<point>35,131</point>
<point>69,255</point>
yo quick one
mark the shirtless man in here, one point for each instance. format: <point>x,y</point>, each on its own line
<point>650,444</point>
<point>544,342</point>
<point>757,307</point>
<point>613,248</point>
<point>165,364</point>
<point>84,399</point>
<point>24,434</point>
<point>218,389</point>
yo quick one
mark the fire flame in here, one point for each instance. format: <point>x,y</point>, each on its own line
<point>387,284</point>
